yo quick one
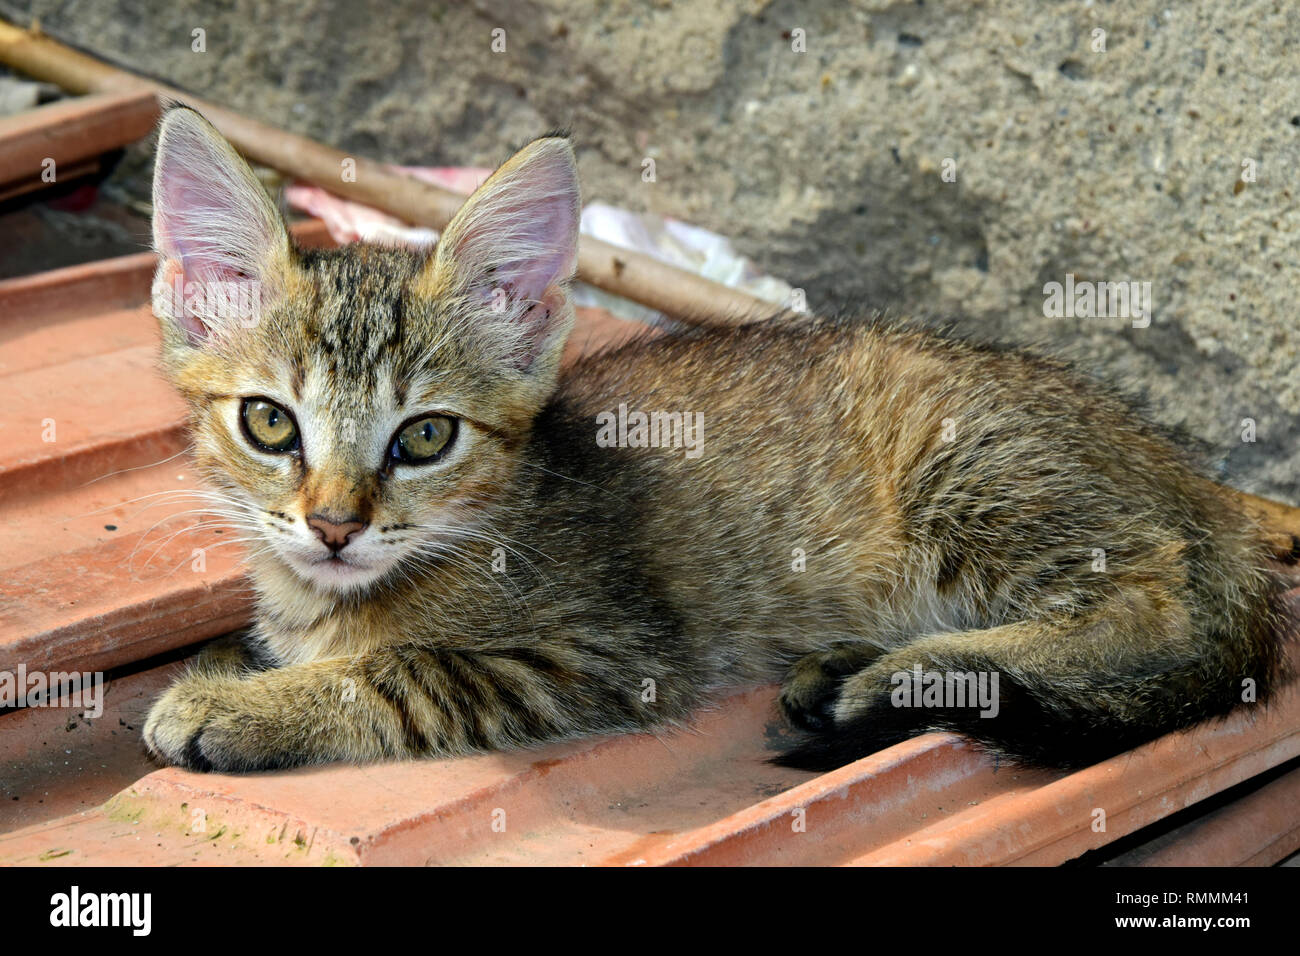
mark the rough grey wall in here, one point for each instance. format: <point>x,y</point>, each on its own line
<point>826,165</point>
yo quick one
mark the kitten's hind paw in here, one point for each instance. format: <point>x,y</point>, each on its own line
<point>811,689</point>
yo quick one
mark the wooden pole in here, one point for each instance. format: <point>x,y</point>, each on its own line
<point>676,292</point>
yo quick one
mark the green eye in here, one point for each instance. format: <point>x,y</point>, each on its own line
<point>423,439</point>
<point>268,426</point>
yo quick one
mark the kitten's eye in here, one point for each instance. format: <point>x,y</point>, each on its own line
<point>268,426</point>
<point>423,439</point>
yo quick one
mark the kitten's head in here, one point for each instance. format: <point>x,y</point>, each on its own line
<point>359,408</point>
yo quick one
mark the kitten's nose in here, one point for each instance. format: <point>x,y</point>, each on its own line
<point>335,534</point>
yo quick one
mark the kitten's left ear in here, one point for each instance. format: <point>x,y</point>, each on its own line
<point>215,229</point>
<point>512,248</point>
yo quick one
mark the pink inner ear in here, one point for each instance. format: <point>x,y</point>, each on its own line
<point>519,232</point>
<point>538,322</point>
<point>191,213</point>
<point>213,228</point>
<point>172,280</point>
<point>519,240</point>
<point>184,272</point>
<point>543,234</point>
<point>527,246</point>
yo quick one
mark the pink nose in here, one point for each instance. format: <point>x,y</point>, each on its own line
<point>335,534</point>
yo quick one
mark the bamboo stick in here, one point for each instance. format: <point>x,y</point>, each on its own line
<point>676,292</point>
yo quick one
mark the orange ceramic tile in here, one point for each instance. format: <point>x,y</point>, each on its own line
<point>1261,828</point>
<point>69,133</point>
<point>57,761</point>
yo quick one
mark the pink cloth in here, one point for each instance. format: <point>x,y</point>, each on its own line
<point>349,221</point>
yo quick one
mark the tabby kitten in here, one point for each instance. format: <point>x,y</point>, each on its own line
<point>452,555</point>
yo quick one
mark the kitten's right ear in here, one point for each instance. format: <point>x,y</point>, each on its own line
<point>512,249</point>
<point>215,230</point>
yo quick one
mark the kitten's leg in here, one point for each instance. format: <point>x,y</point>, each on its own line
<point>232,654</point>
<point>809,691</point>
<point>1069,692</point>
<point>404,702</point>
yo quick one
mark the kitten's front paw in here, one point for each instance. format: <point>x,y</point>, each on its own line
<point>188,726</point>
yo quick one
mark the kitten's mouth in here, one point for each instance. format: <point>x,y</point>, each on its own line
<point>336,572</point>
<point>337,564</point>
